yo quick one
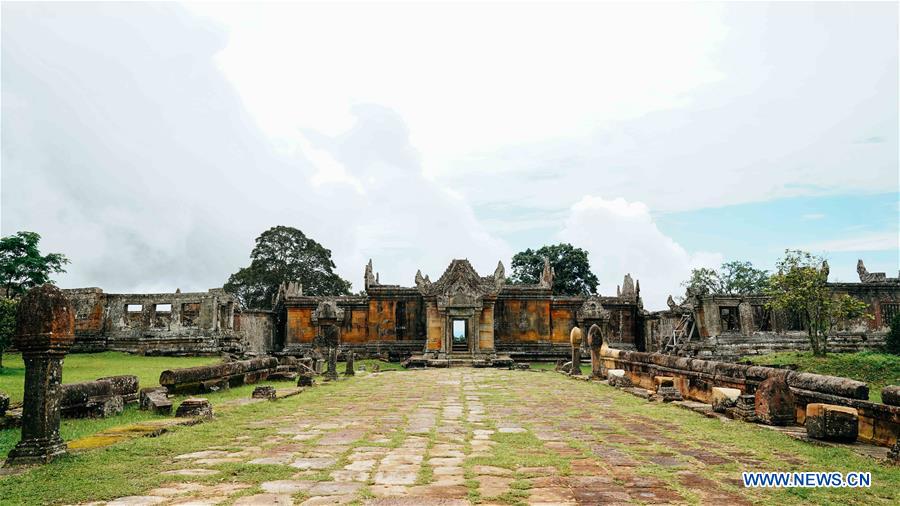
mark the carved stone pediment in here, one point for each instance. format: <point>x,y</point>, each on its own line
<point>591,309</point>
<point>327,310</point>
<point>461,286</point>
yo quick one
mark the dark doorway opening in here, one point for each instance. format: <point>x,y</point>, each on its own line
<point>460,336</point>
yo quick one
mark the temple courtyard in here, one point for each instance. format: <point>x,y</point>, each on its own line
<point>447,436</point>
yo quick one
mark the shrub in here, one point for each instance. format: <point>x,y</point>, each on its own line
<point>892,343</point>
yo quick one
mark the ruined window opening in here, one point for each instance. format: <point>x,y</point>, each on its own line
<point>134,308</point>
<point>163,308</point>
<point>190,313</point>
<point>729,319</point>
<point>888,313</point>
<point>762,318</point>
<point>400,319</point>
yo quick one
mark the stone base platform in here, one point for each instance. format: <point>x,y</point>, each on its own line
<point>458,360</point>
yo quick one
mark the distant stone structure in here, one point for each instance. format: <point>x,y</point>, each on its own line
<point>498,320</point>
<point>45,330</point>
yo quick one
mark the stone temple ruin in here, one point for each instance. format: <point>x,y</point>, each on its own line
<point>461,316</point>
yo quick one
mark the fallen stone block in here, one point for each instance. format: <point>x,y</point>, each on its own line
<point>891,395</point>
<point>4,403</point>
<point>723,398</point>
<point>832,423</point>
<point>744,408</point>
<point>306,380</point>
<point>264,392</point>
<point>103,407</point>
<point>894,454</point>
<point>194,407</point>
<point>774,402</point>
<point>155,400</point>
<point>618,378</point>
<point>668,394</point>
<point>125,386</point>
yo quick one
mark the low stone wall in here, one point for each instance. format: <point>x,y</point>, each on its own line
<point>734,347</point>
<point>695,378</point>
<point>214,377</point>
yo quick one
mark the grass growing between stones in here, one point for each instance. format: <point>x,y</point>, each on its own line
<point>134,466</point>
<point>876,369</point>
<point>90,366</point>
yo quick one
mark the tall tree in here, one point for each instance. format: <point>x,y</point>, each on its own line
<point>23,267</point>
<point>285,254</point>
<point>7,323</point>
<point>572,269</point>
<point>800,286</point>
<point>732,278</point>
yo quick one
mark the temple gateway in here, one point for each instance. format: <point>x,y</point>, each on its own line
<point>462,316</point>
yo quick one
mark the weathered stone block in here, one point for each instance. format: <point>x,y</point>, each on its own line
<point>744,408</point>
<point>894,454</point>
<point>4,403</point>
<point>103,407</point>
<point>830,422</point>
<point>194,407</point>
<point>723,398</point>
<point>264,392</point>
<point>156,400</point>
<point>618,378</point>
<point>125,386</point>
<point>319,366</point>
<point>891,395</point>
<point>774,402</point>
<point>306,380</point>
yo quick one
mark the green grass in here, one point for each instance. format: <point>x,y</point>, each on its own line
<point>133,467</point>
<point>90,366</point>
<point>876,369</point>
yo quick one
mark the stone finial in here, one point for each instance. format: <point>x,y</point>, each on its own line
<point>671,303</point>
<point>370,279</point>
<point>547,274</point>
<point>861,270</point>
<point>178,290</point>
<point>825,269</point>
<point>45,321</point>
<point>499,273</point>
<point>628,286</point>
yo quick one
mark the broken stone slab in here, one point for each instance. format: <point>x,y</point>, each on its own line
<point>194,407</point>
<point>264,392</point>
<point>668,394</point>
<point>156,400</point>
<point>104,407</point>
<point>204,378</point>
<point>724,398</point>
<point>832,423</point>
<point>890,395</point>
<point>774,402</point>
<point>125,386</point>
<point>306,380</point>
<point>618,378</point>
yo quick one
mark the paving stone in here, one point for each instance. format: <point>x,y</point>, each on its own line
<point>265,500</point>
<point>137,500</point>
<point>289,487</point>
<point>314,463</point>
<point>333,488</point>
<point>497,471</point>
<point>493,486</point>
<point>191,472</point>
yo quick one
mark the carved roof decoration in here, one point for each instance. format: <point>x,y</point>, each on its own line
<point>872,277</point>
<point>592,309</point>
<point>461,278</point>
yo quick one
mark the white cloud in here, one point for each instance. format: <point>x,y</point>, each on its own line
<point>621,237</point>
<point>886,241</point>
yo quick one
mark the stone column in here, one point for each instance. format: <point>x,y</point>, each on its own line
<point>45,330</point>
<point>575,341</point>
<point>331,373</point>
<point>348,370</point>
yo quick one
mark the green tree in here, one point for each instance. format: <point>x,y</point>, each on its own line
<point>23,267</point>
<point>892,341</point>
<point>741,278</point>
<point>285,254</point>
<point>732,278</point>
<point>573,270</point>
<point>7,323</point>
<point>800,286</point>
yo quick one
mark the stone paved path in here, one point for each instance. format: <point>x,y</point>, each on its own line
<point>459,436</point>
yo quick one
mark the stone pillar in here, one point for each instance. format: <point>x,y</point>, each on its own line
<point>348,370</point>
<point>45,330</point>
<point>331,373</point>
<point>575,341</point>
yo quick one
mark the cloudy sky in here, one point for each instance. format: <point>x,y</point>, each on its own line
<point>151,143</point>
